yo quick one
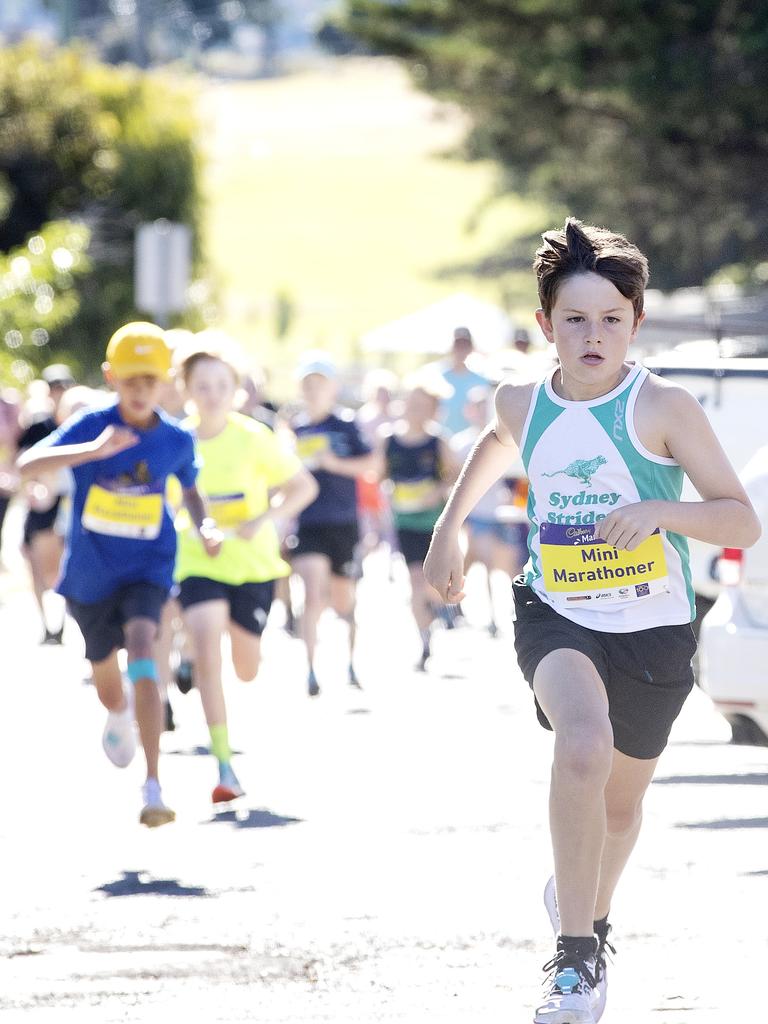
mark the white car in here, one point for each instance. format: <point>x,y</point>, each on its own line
<point>733,643</point>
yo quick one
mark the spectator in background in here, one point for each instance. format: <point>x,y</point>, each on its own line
<point>522,341</point>
<point>462,379</point>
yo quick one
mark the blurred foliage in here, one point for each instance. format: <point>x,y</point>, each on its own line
<point>107,148</point>
<point>38,297</point>
<point>648,117</point>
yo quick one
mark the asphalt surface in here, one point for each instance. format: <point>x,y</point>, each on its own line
<point>386,863</point>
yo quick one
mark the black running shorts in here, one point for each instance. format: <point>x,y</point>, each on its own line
<point>337,541</point>
<point>249,603</point>
<point>102,623</point>
<point>414,545</point>
<point>647,674</point>
<point>40,522</point>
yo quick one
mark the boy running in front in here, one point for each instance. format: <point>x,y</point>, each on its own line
<point>121,548</point>
<point>604,608</point>
<point>250,481</point>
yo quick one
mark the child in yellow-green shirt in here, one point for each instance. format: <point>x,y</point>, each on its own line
<point>250,481</point>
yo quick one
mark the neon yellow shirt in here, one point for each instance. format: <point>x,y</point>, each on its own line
<point>239,466</point>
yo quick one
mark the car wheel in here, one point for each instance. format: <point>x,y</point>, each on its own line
<point>745,732</point>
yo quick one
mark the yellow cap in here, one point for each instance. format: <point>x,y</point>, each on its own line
<point>139,349</point>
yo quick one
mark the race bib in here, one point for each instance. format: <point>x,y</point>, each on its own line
<point>122,514</point>
<point>229,510</point>
<point>412,495</point>
<point>309,446</point>
<point>579,568</point>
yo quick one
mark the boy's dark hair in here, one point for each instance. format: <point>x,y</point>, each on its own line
<point>580,249</point>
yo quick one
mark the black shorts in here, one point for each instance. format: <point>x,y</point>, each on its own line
<point>102,623</point>
<point>40,522</point>
<point>337,541</point>
<point>249,603</point>
<point>414,545</point>
<point>647,674</point>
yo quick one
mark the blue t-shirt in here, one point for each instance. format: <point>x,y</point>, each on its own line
<point>452,409</point>
<point>121,527</point>
<point>337,499</point>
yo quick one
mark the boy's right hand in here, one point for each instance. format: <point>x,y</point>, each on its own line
<point>444,567</point>
<point>113,440</point>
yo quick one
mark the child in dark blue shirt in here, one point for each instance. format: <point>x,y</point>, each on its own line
<point>121,548</point>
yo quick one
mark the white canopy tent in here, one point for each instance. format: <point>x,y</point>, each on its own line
<point>430,330</point>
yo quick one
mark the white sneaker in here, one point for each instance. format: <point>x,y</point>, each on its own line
<point>119,737</point>
<point>601,979</point>
<point>569,991</point>
<point>154,812</point>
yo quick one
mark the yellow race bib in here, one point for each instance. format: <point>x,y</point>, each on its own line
<point>309,446</point>
<point>412,495</point>
<point>579,568</point>
<point>229,510</point>
<point>122,514</point>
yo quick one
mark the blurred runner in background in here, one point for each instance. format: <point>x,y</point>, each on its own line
<point>418,467</point>
<point>250,480</point>
<point>331,447</point>
<point>375,514</point>
<point>43,544</point>
<point>10,429</point>
<point>497,527</point>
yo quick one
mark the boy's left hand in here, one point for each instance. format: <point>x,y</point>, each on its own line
<point>627,527</point>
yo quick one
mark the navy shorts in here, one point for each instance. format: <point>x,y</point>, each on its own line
<point>40,522</point>
<point>337,541</point>
<point>249,603</point>
<point>647,674</point>
<point>102,623</point>
<point>414,545</point>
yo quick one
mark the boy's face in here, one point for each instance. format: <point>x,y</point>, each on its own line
<point>318,392</point>
<point>420,407</point>
<point>592,326</point>
<point>138,397</point>
<point>212,387</point>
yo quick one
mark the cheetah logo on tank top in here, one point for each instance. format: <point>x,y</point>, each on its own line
<point>581,469</point>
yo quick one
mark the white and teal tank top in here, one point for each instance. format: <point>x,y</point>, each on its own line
<point>584,459</point>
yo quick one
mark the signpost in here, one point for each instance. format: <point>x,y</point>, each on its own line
<point>163,257</point>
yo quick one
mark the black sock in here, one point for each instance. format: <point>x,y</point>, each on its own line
<point>582,946</point>
<point>601,927</point>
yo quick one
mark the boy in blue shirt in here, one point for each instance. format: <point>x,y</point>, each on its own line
<point>118,564</point>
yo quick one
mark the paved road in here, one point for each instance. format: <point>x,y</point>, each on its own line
<point>386,864</point>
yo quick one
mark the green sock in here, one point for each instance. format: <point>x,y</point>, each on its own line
<point>220,747</point>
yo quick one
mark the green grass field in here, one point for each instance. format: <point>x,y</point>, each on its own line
<point>329,188</point>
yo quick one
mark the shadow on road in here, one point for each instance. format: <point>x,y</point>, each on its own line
<point>747,779</point>
<point>725,823</point>
<point>138,883</point>
<point>252,819</point>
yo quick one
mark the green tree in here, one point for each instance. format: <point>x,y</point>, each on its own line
<point>649,117</point>
<point>107,148</point>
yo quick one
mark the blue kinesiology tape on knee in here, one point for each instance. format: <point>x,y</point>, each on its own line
<point>142,668</point>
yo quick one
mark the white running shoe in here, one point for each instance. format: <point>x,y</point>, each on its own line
<point>569,991</point>
<point>119,737</point>
<point>154,812</point>
<point>601,979</point>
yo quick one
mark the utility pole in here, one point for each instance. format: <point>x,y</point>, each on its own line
<point>69,17</point>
